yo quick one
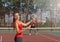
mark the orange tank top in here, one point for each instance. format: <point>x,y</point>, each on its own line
<point>19,34</point>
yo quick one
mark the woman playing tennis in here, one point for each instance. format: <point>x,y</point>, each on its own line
<point>18,26</point>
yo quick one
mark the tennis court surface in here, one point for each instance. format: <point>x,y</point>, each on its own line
<point>41,36</point>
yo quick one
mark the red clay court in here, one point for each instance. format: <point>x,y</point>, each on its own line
<point>32,38</point>
<point>45,36</point>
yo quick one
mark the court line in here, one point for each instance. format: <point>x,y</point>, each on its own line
<point>1,39</point>
<point>49,38</point>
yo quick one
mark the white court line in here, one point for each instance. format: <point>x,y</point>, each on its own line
<point>50,38</point>
<point>1,39</point>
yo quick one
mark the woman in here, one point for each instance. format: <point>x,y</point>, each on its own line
<point>18,25</point>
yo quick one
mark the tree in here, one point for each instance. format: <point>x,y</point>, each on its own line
<point>1,5</point>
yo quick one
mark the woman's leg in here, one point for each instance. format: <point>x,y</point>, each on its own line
<point>18,39</point>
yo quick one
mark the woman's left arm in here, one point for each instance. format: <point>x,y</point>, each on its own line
<point>26,24</point>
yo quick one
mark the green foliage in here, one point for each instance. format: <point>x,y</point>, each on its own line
<point>1,5</point>
<point>15,2</point>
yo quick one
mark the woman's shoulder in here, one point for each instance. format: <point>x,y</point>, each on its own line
<point>18,22</point>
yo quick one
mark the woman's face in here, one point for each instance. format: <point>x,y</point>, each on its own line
<point>16,16</point>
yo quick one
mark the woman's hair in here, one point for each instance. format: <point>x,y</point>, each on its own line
<point>14,19</point>
<point>14,23</point>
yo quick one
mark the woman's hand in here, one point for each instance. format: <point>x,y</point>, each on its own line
<point>33,19</point>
